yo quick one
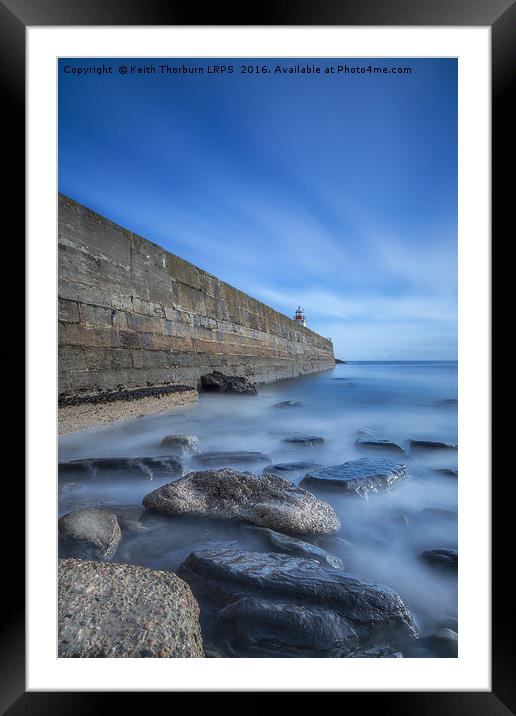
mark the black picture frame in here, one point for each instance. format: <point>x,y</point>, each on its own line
<point>500,16</point>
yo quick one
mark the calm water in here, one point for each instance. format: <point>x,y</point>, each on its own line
<point>381,538</point>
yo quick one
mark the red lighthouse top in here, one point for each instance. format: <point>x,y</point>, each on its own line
<point>300,316</point>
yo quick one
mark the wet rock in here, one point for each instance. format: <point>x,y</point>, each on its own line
<point>130,518</point>
<point>442,644</point>
<point>308,440</point>
<point>221,577</point>
<point>447,472</point>
<point>217,382</point>
<point>378,444</point>
<point>359,477</point>
<point>287,629</point>
<point>266,501</point>
<point>450,623</point>
<point>430,445</point>
<point>89,534</point>
<point>119,610</point>
<point>181,444</point>
<point>292,545</point>
<point>441,557</point>
<point>289,404</point>
<point>288,467</point>
<point>376,652</point>
<point>230,457</point>
<point>122,467</point>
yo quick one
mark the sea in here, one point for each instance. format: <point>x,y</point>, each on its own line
<point>382,537</point>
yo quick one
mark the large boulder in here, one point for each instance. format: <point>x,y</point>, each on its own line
<point>358,477</point>
<point>292,545</point>
<point>119,610</point>
<point>217,382</point>
<point>288,629</point>
<point>266,501</point>
<point>375,613</point>
<point>123,467</point>
<point>89,534</point>
<point>181,444</point>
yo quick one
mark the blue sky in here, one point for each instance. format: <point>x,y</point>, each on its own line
<point>337,192</point>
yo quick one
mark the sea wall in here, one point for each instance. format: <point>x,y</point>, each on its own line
<point>132,314</point>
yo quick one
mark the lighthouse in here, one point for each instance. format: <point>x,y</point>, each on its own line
<point>300,316</point>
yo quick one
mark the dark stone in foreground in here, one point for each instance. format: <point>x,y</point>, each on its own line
<point>119,610</point>
<point>431,445</point>
<point>441,557</point>
<point>303,439</point>
<point>217,382</point>
<point>122,467</point>
<point>181,444</point>
<point>374,612</point>
<point>292,545</point>
<point>230,457</point>
<point>443,644</point>
<point>89,534</point>
<point>286,629</point>
<point>122,393</point>
<point>376,652</point>
<point>266,501</point>
<point>360,477</point>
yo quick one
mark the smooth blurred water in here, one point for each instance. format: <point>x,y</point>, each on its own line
<point>381,538</point>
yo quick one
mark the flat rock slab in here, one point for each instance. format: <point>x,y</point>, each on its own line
<point>446,472</point>
<point>122,467</point>
<point>280,468</point>
<point>359,477</point>
<point>119,610</point>
<point>378,444</point>
<point>181,444</point>
<point>304,439</point>
<point>266,501</point>
<point>289,404</point>
<point>292,545</point>
<point>441,557</point>
<point>431,445</point>
<point>89,534</point>
<point>375,612</point>
<point>287,629</point>
<point>217,382</point>
<point>230,457</point>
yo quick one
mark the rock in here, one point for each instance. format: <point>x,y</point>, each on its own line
<point>430,445</point>
<point>130,518</point>
<point>378,444</point>
<point>359,477</point>
<point>122,467</point>
<point>444,642</point>
<point>376,652</point>
<point>181,444</point>
<point>220,577</point>
<point>450,623</point>
<point>230,457</point>
<point>266,501</point>
<point>339,361</point>
<point>217,382</point>
<point>303,439</point>
<point>441,557</point>
<point>289,404</point>
<point>280,468</point>
<point>118,610</point>
<point>89,534</point>
<point>287,629</point>
<point>447,472</point>
<point>292,545</point>
<point>447,403</point>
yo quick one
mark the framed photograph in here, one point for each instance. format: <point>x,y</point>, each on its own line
<point>258,367</point>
